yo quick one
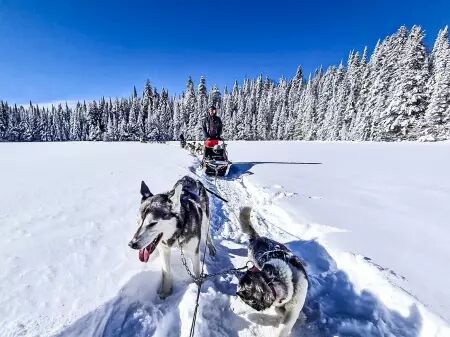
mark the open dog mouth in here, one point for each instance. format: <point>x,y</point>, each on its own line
<point>144,253</point>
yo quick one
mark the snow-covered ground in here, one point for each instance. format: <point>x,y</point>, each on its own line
<point>371,221</point>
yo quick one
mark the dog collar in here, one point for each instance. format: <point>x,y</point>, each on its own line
<point>254,269</point>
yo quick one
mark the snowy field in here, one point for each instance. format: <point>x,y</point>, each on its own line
<point>370,220</point>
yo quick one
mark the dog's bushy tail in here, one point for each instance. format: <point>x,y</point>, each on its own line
<point>246,223</point>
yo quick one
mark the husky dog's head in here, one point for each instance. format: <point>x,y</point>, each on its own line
<point>157,219</point>
<point>255,291</point>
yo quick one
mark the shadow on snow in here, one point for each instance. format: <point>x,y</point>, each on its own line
<point>239,169</point>
<point>134,311</point>
<point>334,308</point>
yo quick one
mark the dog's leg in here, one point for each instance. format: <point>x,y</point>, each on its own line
<point>209,243</point>
<point>166,283</point>
<point>291,314</point>
<point>196,263</point>
<point>205,220</point>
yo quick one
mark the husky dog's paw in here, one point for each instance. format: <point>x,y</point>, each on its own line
<point>164,292</point>
<point>163,295</point>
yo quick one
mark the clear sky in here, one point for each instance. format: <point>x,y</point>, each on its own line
<point>67,49</point>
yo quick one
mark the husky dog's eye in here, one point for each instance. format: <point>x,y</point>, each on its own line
<point>151,224</point>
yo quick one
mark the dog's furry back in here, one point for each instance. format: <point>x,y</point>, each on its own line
<point>246,223</point>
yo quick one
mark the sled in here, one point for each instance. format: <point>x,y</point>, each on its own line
<point>215,158</point>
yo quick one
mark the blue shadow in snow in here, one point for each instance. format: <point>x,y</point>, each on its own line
<point>133,312</point>
<point>222,260</point>
<point>334,308</point>
<point>239,169</point>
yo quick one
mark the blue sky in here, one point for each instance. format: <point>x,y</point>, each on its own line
<point>65,50</point>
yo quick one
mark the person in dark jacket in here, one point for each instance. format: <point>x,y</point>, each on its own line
<point>182,141</point>
<point>212,125</point>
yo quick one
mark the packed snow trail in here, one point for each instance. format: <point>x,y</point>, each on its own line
<point>334,307</point>
<point>69,272</point>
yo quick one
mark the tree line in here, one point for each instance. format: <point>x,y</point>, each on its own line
<point>400,92</point>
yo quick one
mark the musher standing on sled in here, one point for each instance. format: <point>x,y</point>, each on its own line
<point>212,125</point>
<point>212,130</point>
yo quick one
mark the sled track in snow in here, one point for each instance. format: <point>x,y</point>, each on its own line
<point>333,307</point>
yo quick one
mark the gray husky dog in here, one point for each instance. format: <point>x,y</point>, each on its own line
<point>166,220</point>
<point>278,278</point>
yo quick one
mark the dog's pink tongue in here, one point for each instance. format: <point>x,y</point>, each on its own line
<point>144,255</point>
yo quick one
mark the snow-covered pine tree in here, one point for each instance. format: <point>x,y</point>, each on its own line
<point>4,121</point>
<point>294,97</point>
<point>264,103</point>
<point>358,129</point>
<point>225,113</point>
<point>409,101</point>
<point>295,88</point>
<point>215,97</point>
<point>133,117</point>
<point>386,61</point>
<point>282,93</point>
<point>178,128</point>
<point>341,95</point>
<point>74,128</point>
<point>27,133</point>
<point>200,110</point>
<point>326,102</point>
<point>46,135</point>
<point>189,111</point>
<point>350,87</point>
<point>153,129</point>
<point>306,118</point>
<point>112,130</point>
<point>239,117</point>
<point>248,111</point>
<point>437,113</point>
<point>232,124</point>
<point>13,134</point>
<point>94,120</point>
<point>268,106</point>
<point>146,109</point>
<point>165,116</point>
<point>66,121</point>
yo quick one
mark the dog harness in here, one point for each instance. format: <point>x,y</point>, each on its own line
<point>287,257</point>
<point>278,254</point>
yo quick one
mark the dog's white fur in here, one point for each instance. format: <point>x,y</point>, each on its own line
<point>288,303</point>
<point>168,228</point>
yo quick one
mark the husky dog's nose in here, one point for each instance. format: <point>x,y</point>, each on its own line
<point>132,244</point>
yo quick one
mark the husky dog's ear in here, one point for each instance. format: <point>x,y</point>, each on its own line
<point>175,196</point>
<point>145,191</point>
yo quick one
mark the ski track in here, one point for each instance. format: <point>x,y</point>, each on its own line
<point>333,307</point>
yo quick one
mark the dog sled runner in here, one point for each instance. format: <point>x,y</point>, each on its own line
<point>215,158</point>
